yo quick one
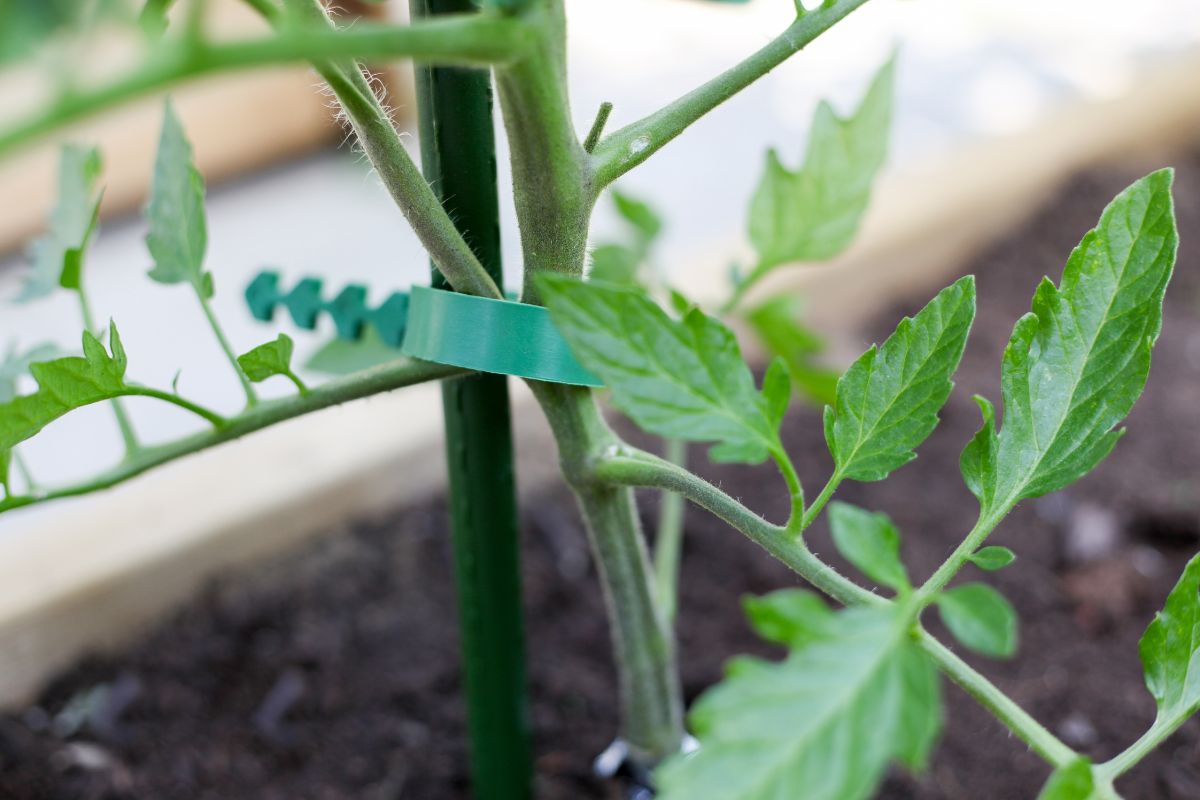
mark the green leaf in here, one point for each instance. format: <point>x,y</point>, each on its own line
<point>5,463</point>
<point>777,325</point>
<point>821,725</point>
<point>58,255</point>
<point>153,19</point>
<point>615,263</point>
<point>1072,782</point>
<point>267,360</point>
<point>1075,365</point>
<point>679,379</point>
<point>777,391</point>
<point>178,234</point>
<point>791,617</point>
<point>981,618</point>
<point>1170,651</point>
<point>345,357</point>
<point>888,401</point>
<point>992,558</point>
<point>641,216</point>
<point>63,385</point>
<point>870,542</point>
<point>812,214</point>
<point>16,364</point>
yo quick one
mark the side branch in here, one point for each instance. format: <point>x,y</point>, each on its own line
<point>399,373</point>
<point>473,39</point>
<point>633,144</point>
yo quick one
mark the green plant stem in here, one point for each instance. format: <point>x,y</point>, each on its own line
<point>467,39</point>
<point>593,137</point>
<point>124,423</point>
<point>818,504</point>
<point>637,468</point>
<point>958,559</point>
<point>651,700</point>
<point>795,490</point>
<point>227,348</point>
<point>384,378</point>
<point>633,144</point>
<point>668,541</point>
<point>301,386</point>
<point>206,414</point>
<point>1148,741</point>
<point>1030,731</point>
<point>403,180</point>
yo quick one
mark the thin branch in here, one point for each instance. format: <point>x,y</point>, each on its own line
<point>473,39</point>
<point>634,143</point>
<point>593,137</point>
<point>399,373</point>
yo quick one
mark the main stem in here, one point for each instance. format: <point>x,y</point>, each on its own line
<point>555,192</point>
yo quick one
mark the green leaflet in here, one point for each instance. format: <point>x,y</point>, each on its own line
<point>16,364</point>
<point>267,360</point>
<point>644,220</point>
<point>680,379</point>
<point>777,324</point>
<point>344,357</point>
<point>1072,782</point>
<point>615,263</point>
<point>1170,651</point>
<point>870,542</point>
<point>888,401</point>
<point>812,214</point>
<point>981,618</point>
<point>1075,365</point>
<point>791,617</point>
<point>993,558</point>
<point>58,255</point>
<point>822,724</point>
<point>63,385</point>
<point>178,234</point>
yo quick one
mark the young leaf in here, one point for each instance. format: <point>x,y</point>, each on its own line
<point>888,401</point>
<point>870,542</point>
<point>812,214</point>
<point>777,391</point>
<point>993,558</point>
<point>822,724</point>
<point>57,256</point>
<point>1075,365</point>
<point>267,360</point>
<point>640,215</point>
<point>679,379</point>
<point>791,617</point>
<point>63,385</point>
<point>981,618</point>
<point>1170,651</point>
<point>178,234</point>
<point>1072,782</point>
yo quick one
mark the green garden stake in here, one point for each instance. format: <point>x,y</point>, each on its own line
<point>455,109</point>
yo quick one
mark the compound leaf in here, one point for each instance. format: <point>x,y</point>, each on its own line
<point>1075,365</point>
<point>822,724</point>
<point>682,379</point>
<point>813,213</point>
<point>981,618</point>
<point>870,542</point>
<point>58,255</point>
<point>178,235</point>
<point>65,384</point>
<point>888,400</point>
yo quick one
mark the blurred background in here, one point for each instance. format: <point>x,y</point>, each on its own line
<point>997,104</point>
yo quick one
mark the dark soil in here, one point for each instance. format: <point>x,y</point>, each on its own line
<point>332,673</point>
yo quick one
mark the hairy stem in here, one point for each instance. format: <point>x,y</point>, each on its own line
<point>950,567</point>
<point>396,374</point>
<point>1148,741</point>
<point>633,144</point>
<point>208,415</point>
<point>467,39</point>
<point>651,707</point>
<point>668,542</point>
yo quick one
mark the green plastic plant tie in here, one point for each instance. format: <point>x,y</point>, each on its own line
<point>487,335</point>
<point>498,336</point>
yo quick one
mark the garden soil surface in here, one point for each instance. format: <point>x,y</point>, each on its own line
<point>333,672</point>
